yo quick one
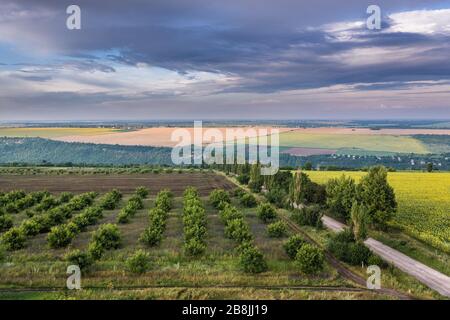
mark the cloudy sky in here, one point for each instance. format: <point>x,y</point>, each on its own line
<point>224,59</point>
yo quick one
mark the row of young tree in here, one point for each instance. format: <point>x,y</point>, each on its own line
<point>371,201</point>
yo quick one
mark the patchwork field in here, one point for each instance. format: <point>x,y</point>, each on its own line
<point>296,141</point>
<point>423,203</point>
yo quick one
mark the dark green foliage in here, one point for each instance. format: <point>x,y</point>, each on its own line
<point>218,196</point>
<point>243,178</point>
<point>6,222</point>
<point>248,200</point>
<point>238,230</point>
<point>251,260</point>
<point>13,239</point>
<point>277,197</point>
<point>266,212</point>
<point>107,236</point>
<point>139,262</point>
<point>37,150</point>
<point>359,221</point>
<point>303,190</point>
<point>308,216</point>
<point>238,192</point>
<point>81,259</point>
<point>377,196</point>
<point>110,200</point>
<point>292,245</point>
<point>60,236</point>
<point>277,229</point>
<point>344,247</point>
<point>341,193</point>
<point>65,197</point>
<point>310,259</point>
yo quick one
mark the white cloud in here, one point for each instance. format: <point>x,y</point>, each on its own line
<point>421,21</point>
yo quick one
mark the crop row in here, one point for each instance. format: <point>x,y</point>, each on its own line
<point>16,237</point>
<point>194,221</point>
<point>62,235</point>
<point>152,235</point>
<point>134,204</point>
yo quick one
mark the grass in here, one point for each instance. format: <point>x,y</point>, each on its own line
<point>357,142</point>
<point>53,132</point>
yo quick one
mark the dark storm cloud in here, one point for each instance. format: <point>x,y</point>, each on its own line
<point>267,44</point>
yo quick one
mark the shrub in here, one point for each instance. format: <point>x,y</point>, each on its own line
<point>164,200</point>
<point>217,196</point>
<point>194,247</point>
<point>344,247</point>
<point>243,178</point>
<point>292,245</point>
<point>238,192</point>
<point>14,239</point>
<point>107,236</point>
<point>248,200</point>
<point>266,212</point>
<point>277,196</point>
<point>139,262</point>
<point>151,236</point>
<point>60,236</point>
<point>30,227</point>
<point>110,200</point>
<point>81,259</point>
<point>251,260</point>
<point>95,250</point>
<point>310,259</point>
<point>230,213</point>
<point>277,229</point>
<point>142,192</point>
<point>358,254</point>
<point>6,222</point>
<point>65,197</point>
<point>375,260</point>
<point>238,230</point>
<point>308,216</point>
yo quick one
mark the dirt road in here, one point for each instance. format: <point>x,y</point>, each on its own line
<point>428,276</point>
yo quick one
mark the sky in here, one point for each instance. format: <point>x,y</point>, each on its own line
<point>224,59</point>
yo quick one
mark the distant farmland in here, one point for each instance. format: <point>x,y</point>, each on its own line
<point>295,141</point>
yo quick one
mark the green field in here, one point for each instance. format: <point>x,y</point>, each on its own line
<point>423,203</point>
<point>53,132</point>
<point>361,143</point>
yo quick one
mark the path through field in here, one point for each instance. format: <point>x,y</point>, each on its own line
<point>428,276</point>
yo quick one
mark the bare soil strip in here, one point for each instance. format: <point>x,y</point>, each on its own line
<point>126,183</point>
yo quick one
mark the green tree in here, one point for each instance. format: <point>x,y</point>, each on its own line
<point>429,167</point>
<point>256,180</point>
<point>341,193</point>
<point>310,259</point>
<point>377,196</point>
<point>359,221</point>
